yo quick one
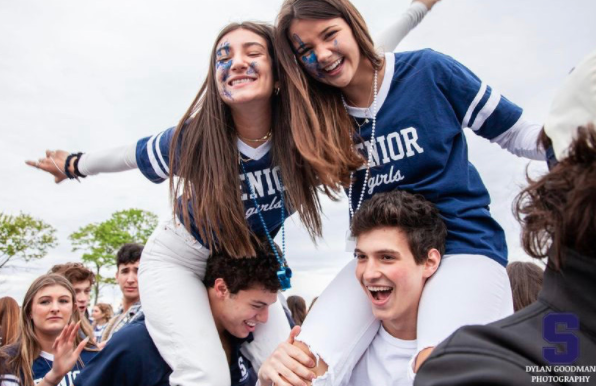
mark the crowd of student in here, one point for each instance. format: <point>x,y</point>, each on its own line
<point>427,299</point>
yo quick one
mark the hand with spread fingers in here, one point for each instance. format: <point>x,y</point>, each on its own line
<point>65,353</point>
<point>53,163</point>
<point>288,365</point>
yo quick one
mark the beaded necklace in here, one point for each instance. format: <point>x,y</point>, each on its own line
<point>284,273</point>
<point>370,150</point>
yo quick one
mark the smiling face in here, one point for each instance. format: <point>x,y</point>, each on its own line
<point>51,310</point>
<point>327,50</point>
<point>243,68</point>
<point>240,313</point>
<point>126,276</point>
<point>389,275</point>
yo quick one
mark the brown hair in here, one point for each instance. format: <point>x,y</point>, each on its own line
<point>106,310</point>
<point>74,272</point>
<point>205,157</point>
<point>321,126</point>
<point>243,274</point>
<point>19,357</point>
<point>297,307</point>
<point>416,217</point>
<point>526,282</point>
<point>558,210</point>
<point>9,320</point>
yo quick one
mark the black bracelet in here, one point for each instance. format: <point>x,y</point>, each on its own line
<point>76,166</point>
<point>66,164</point>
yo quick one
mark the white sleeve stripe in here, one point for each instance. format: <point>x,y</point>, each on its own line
<point>158,151</point>
<point>8,380</point>
<point>473,105</point>
<point>488,108</point>
<point>150,152</point>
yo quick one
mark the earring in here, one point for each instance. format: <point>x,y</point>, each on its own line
<point>276,91</point>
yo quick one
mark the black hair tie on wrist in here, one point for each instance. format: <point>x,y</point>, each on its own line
<point>66,164</point>
<point>76,166</point>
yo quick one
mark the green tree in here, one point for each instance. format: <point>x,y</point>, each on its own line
<point>100,241</point>
<point>23,237</point>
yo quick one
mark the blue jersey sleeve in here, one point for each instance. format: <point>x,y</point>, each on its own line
<point>153,155</point>
<point>477,105</point>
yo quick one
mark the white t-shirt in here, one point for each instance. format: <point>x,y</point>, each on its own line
<point>385,362</point>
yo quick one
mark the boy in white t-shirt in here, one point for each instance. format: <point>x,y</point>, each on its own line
<point>400,238</point>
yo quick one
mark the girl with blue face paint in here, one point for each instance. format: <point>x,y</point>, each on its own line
<point>404,115</point>
<point>234,134</point>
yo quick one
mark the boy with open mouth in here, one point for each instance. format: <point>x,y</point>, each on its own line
<point>400,238</point>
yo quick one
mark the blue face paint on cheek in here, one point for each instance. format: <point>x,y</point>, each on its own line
<point>224,68</point>
<point>311,63</point>
<point>252,69</point>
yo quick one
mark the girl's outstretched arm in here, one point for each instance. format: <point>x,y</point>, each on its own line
<point>389,39</point>
<point>114,160</point>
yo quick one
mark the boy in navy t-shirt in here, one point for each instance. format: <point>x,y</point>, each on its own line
<point>240,292</point>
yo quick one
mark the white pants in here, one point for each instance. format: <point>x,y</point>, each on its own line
<point>466,289</point>
<point>178,314</point>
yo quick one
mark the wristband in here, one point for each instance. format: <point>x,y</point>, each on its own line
<point>76,166</point>
<point>66,164</point>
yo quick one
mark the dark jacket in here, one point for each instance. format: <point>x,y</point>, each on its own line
<point>515,350</point>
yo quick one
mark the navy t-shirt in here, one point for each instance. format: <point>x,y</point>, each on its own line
<point>131,358</point>
<point>153,160</point>
<point>425,101</point>
<point>43,364</point>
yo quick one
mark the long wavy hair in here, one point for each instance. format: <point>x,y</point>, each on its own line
<point>558,210</point>
<point>205,157</point>
<point>321,126</point>
<point>107,312</point>
<point>9,320</point>
<point>18,358</point>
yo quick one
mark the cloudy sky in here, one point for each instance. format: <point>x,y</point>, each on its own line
<point>88,75</point>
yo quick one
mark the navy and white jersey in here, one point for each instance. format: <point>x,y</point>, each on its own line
<point>153,160</point>
<point>425,101</point>
<point>131,358</point>
<point>43,364</point>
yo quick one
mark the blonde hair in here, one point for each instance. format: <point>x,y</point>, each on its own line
<point>106,310</point>
<point>27,347</point>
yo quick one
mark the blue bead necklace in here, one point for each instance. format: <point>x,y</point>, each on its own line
<point>285,273</point>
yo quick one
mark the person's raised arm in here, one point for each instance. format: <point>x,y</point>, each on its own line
<point>65,355</point>
<point>151,155</point>
<point>389,38</point>
<point>103,161</point>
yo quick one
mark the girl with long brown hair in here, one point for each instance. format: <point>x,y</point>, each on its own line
<point>404,114</point>
<point>49,325</point>
<point>234,134</point>
<point>9,320</point>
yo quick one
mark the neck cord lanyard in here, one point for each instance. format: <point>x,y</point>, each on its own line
<point>370,150</point>
<point>285,273</point>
